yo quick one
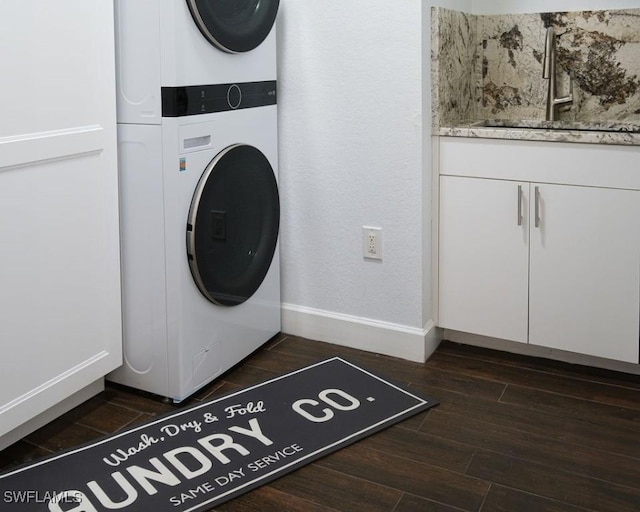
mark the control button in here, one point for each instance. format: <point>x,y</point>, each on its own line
<point>234,96</point>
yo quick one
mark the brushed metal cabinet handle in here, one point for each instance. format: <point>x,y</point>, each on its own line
<point>537,205</point>
<point>519,205</point>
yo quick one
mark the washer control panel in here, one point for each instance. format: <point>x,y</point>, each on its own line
<point>206,99</point>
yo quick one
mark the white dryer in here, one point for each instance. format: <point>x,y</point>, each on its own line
<point>200,260</point>
<point>176,43</point>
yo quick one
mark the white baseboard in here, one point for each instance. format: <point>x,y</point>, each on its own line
<point>51,414</point>
<point>537,351</point>
<point>396,340</point>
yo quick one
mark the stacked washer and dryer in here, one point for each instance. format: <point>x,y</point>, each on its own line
<point>197,130</point>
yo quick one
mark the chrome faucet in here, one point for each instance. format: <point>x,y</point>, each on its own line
<point>549,73</point>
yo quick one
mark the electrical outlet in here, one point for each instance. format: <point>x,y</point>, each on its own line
<point>372,243</point>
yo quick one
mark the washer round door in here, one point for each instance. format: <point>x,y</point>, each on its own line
<point>234,26</point>
<point>233,225</point>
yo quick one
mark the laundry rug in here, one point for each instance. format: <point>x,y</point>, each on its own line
<point>200,457</point>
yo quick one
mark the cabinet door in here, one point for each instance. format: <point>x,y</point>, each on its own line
<point>585,270</point>
<point>60,309</point>
<point>483,257</point>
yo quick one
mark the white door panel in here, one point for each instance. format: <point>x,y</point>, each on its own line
<point>60,315</point>
<point>483,262</point>
<point>585,271</point>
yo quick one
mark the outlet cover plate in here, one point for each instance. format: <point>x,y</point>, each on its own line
<point>372,243</point>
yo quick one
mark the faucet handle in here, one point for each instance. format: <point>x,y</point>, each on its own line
<point>569,97</point>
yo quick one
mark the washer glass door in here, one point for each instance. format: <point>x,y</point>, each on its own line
<point>234,26</point>
<point>233,225</point>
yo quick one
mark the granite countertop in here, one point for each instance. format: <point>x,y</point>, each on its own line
<point>550,131</point>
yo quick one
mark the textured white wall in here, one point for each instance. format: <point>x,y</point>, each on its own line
<point>351,155</point>
<point>354,114</point>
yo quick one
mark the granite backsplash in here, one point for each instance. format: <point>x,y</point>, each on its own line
<point>490,66</point>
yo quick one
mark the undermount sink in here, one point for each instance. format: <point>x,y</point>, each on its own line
<point>558,125</point>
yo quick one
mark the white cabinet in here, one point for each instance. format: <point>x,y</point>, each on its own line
<point>585,271</point>
<point>484,257</point>
<point>60,313</point>
<point>555,265</point>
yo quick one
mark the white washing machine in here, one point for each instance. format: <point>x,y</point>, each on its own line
<point>175,43</point>
<point>200,217</point>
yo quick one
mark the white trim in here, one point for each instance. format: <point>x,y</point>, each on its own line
<point>51,414</point>
<point>435,227</point>
<point>18,401</point>
<point>527,349</point>
<point>30,148</point>
<point>43,398</point>
<point>411,343</point>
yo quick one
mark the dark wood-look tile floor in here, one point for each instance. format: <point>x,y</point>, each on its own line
<point>511,434</point>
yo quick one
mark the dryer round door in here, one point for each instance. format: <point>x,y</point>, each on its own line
<point>233,225</point>
<point>234,26</point>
